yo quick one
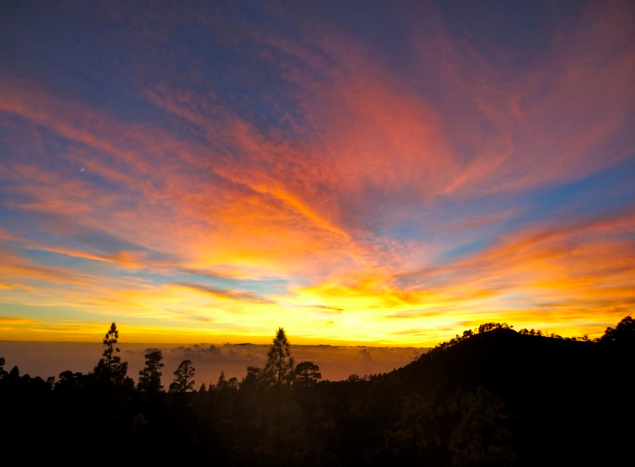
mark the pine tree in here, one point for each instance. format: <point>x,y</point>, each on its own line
<point>253,379</point>
<point>306,374</point>
<point>111,371</point>
<point>279,367</point>
<point>222,381</point>
<point>150,376</point>
<point>183,377</point>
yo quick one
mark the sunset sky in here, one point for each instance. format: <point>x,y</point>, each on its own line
<point>383,173</point>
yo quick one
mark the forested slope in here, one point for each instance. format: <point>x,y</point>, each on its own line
<point>492,396</point>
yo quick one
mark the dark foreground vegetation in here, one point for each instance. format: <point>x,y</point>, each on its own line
<point>493,396</point>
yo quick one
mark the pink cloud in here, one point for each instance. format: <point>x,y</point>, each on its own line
<point>546,122</point>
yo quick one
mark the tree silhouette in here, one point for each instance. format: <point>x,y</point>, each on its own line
<point>486,327</point>
<point>111,371</point>
<point>150,376</point>
<point>252,379</point>
<point>69,381</point>
<point>279,367</point>
<point>222,381</point>
<point>306,374</point>
<point>183,377</point>
<point>2,372</point>
<point>413,435</point>
<point>623,334</point>
<point>481,436</point>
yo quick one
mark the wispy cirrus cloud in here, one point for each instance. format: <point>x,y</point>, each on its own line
<point>226,293</point>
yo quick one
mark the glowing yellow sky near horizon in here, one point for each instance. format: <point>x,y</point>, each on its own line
<point>335,189</point>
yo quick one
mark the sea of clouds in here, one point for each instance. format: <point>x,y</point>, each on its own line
<point>46,359</point>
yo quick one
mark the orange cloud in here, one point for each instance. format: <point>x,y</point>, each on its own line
<point>577,272</point>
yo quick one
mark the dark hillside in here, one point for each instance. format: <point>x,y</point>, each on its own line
<point>493,397</point>
<point>508,364</point>
<point>567,400</point>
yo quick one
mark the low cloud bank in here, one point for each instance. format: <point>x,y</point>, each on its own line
<point>336,362</point>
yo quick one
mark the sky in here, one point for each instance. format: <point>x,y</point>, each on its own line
<point>377,173</point>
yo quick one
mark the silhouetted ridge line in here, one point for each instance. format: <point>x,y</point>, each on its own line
<point>492,396</point>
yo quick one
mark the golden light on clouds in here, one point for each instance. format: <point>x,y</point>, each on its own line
<point>391,185</point>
